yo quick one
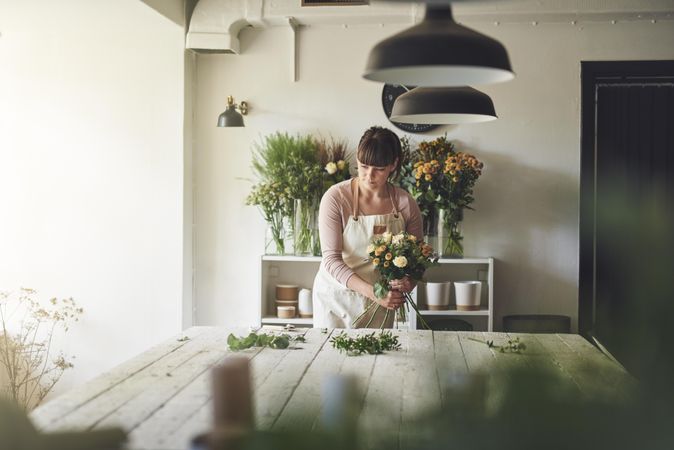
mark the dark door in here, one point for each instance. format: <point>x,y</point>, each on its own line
<point>627,174</point>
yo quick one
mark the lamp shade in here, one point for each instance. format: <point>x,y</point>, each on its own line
<point>230,118</point>
<point>438,52</point>
<point>446,105</point>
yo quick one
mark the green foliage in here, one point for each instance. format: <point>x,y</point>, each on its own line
<point>271,160</point>
<point>291,168</point>
<point>511,346</point>
<point>280,341</point>
<point>289,164</point>
<point>368,343</point>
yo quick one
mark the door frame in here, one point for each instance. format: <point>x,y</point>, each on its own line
<point>593,73</point>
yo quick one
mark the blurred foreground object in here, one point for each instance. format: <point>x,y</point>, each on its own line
<point>18,433</point>
<point>232,407</point>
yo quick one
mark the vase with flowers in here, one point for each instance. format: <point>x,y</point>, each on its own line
<point>333,158</point>
<point>293,172</point>
<point>441,180</point>
<point>287,169</point>
<point>273,203</point>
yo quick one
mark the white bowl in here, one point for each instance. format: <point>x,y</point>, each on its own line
<point>285,312</point>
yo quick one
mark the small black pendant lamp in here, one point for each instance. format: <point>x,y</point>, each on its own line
<point>230,117</point>
<point>445,105</point>
<point>438,52</point>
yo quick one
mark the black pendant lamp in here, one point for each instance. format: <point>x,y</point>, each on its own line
<point>438,52</point>
<point>231,117</point>
<point>446,105</point>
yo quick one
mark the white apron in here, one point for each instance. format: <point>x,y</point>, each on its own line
<point>335,305</point>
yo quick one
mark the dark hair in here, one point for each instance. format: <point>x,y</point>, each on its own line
<point>380,147</point>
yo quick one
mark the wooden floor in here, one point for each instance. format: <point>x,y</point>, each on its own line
<point>162,397</point>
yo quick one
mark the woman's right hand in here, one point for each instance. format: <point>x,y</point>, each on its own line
<point>393,300</point>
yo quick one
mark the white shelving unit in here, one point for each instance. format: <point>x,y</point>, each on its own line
<point>464,269</point>
<point>301,270</point>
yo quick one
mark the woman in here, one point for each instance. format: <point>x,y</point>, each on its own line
<point>351,213</point>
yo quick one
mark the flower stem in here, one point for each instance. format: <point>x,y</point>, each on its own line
<point>421,319</point>
<point>401,313</point>
<point>383,323</point>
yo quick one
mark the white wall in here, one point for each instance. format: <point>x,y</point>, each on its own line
<point>526,200</point>
<point>91,169</point>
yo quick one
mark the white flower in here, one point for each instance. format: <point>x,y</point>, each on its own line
<point>398,238</point>
<point>400,261</point>
<point>331,167</point>
<point>412,238</point>
<point>387,237</point>
<point>341,164</point>
<point>370,248</point>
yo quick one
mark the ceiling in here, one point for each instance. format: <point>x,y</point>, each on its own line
<point>214,25</point>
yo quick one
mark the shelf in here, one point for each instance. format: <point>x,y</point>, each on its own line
<point>289,258</point>
<point>301,270</point>
<point>465,260</point>
<point>294,321</point>
<point>483,311</point>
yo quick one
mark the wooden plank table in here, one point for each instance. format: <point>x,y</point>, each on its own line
<point>162,397</point>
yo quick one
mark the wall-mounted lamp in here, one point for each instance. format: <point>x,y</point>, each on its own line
<point>445,105</point>
<point>231,118</point>
<point>438,52</point>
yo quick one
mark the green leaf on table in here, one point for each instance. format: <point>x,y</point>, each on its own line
<point>368,343</point>
<point>281,341</point>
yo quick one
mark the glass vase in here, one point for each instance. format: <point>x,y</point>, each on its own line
<point>315,237</point>
<point>450,239</point>
<point>442,231</point>
<point>431,230</point>
<point>274,240</point>
<point>302,229</point>
<point>288,235</point>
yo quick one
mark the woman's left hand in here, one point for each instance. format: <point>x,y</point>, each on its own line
<point>405,284</point>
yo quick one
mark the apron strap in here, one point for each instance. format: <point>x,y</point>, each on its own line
<point>355,191</point>
<point>393,203</point>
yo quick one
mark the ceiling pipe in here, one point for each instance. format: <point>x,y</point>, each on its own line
<point>215,24</point>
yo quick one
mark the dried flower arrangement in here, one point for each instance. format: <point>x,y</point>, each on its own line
<point>28,329</point>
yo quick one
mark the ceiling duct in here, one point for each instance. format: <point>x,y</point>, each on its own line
<point>215,24</point>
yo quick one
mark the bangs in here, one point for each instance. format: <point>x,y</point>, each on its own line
<point>376,153</point>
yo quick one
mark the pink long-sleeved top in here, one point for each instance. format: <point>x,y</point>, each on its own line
<point>335,210</point>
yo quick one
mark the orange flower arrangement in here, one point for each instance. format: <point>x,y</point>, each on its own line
<point>440,178</point>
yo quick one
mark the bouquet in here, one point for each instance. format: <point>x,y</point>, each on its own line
<point>395,257</point>
<point>441,179</point>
